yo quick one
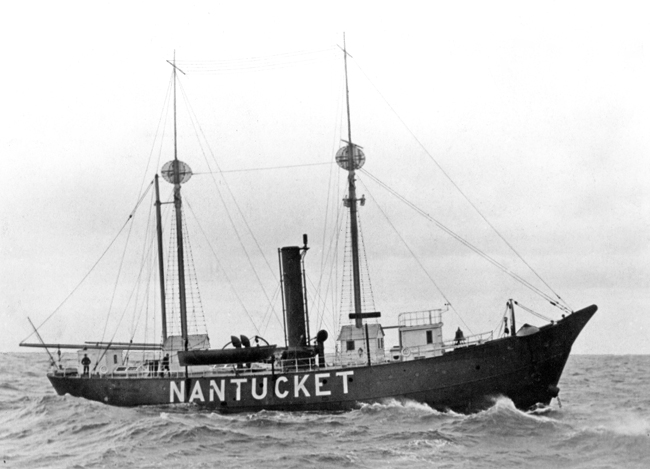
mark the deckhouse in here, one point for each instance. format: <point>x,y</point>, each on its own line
<point>355,342</point>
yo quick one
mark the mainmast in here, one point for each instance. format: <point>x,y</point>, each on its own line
<point>350,158</point>
<point>176,172</point>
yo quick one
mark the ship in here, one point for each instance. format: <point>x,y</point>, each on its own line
<point>463,374</point>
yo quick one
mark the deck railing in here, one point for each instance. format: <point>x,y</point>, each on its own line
<point>425,351</point>
<point>295,365</point>
<point>420,318</point>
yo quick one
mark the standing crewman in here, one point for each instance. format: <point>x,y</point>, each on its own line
<point>165,365</point>
<point>85,361</point>
<point>460,338</point>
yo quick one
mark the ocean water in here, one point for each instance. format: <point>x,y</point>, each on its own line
<point>604,422</point>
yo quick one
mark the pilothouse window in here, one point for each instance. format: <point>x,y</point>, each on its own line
<point>349,345</point>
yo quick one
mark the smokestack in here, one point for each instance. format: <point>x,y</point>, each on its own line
<point>293,298</point>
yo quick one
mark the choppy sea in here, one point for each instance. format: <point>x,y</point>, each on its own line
<point>604,422</point>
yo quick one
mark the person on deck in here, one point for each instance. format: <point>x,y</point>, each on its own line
<point>85,361</point>
<point>165,364</point>
<point>459,336</point>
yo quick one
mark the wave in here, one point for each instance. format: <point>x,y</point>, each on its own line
<point>621,424</point>
<point>599,425</point>
<point>404,408</point>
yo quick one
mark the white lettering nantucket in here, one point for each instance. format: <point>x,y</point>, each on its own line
<point>281,394</point>
<point>221,395</point>
<point>197,393</point>
<point>299,385</point>
<point>345,375</point>
<point>319,384</point>
<point>178,392</point>
<point>238,382</point>
<point>254,389</point>
<point>259,388</point>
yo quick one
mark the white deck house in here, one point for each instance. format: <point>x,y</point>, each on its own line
<point>420,334</point>
<point>353,344</point>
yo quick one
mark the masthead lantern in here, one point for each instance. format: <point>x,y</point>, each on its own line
<point>170,175</point>
<point>343,157</point>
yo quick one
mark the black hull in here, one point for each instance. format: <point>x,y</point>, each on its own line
<point>525,369</point>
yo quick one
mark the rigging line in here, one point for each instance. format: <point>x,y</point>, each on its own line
<point>330,252</point>
<point>367,270</point>
<point>266,57</point>
<point>145,304</point>
<point>143,264</point>
<point>321,302</point>
<point>465,242</point>
<point>534,313</point>
<point>258,64</point>
<point>468,244</point>
<point>171,280</point>
<point>197,322</point>
<point>268,168</point>
<point>221,267</point>
<point>417,259</point>
<point>330,188</point>
<point>267,316</point>
<point>337,295</point>
<point>347,294</point>
<point>241,214</point>
<point>250,67</point>
<point>459,189</point>
<point>147,245</point>
<point>40,339</point>
<point>163,113</point>
<point>167,109</point>
<point>119,270</point>
<point>195,123</point>
<point>89,272</point>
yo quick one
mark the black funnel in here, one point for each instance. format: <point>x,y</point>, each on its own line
<point>293,296</point>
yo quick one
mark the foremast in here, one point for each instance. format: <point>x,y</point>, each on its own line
<point>351,158</point>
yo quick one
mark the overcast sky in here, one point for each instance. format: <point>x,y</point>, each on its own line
<point>538,111</point>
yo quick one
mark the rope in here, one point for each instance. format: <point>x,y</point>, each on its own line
<point>534,313</point>
<point>194,292</point>
<point>258,63</point>
<point>418,260</point>
<point>117,279</point>
<point>91,269</point>
<point>462,193</point>
<point>225,205</point>
<point>146,249</point>
<point>223,270</point>
<point>289,166</point>
<point>464,242</point>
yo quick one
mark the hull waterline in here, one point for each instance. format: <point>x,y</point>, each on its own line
<point>525,369</point>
